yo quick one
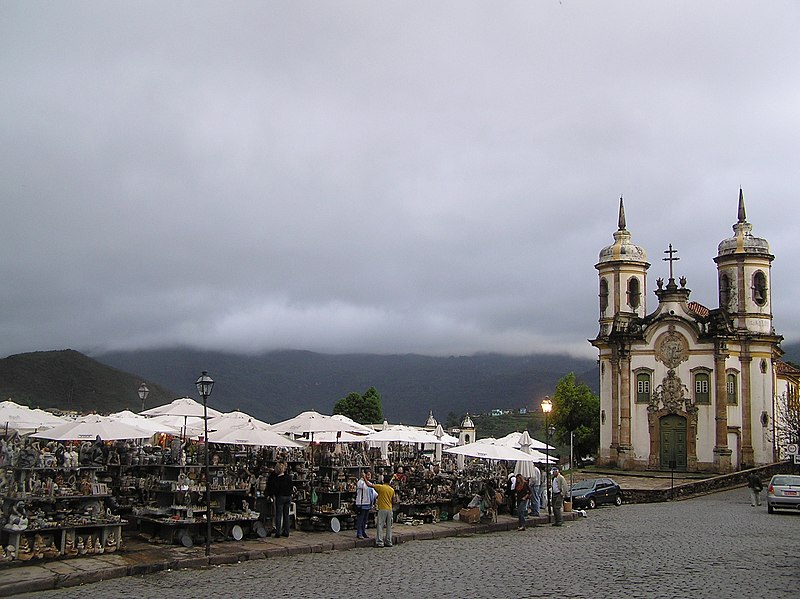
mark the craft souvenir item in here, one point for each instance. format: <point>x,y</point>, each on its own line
<point>24,552</point>
<point>98,546</point>
<point>81,546</point>
<point>38,546</point>
<point>69,545</point>
<point>52,550</point>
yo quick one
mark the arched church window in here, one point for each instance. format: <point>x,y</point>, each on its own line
<point>634,293</point>
<point>759,288</point>
<point>733,393</point>
<point>643,386</point>
<point>603,295</point>
<point>724,291</point>
<point>701,388</point>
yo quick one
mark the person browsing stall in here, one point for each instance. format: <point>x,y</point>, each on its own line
<point>383,534</point>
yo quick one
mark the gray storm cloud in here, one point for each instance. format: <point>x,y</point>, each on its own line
<point>359,176</point>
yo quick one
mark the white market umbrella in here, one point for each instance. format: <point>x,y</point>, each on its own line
<point>183,406</point>
<point>438,433</point>
<point>190,426</point>
<point>186,407</point>
<point>251,435</point>
<point>308,423</point>
<point>512,440</point>
<point>357,427</point>
<point>152,425</point>
<point>490,451</point>
<point>235,419</point>
<point>339,437</point>
<point>402,434</point>
<point>89,428</point>
<point>14,416</point>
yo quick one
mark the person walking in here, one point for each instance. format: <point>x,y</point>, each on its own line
<point>559,492</point>
<point>363,504</point>
<point>282,487</point>
<point>523,493</point>
<point>755,486</point>
<point>385,503</point>
<point>535,482</point>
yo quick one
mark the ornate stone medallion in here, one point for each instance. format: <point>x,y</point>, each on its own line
<point>672,348</point>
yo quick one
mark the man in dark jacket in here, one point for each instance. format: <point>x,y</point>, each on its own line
<point>755,486</point>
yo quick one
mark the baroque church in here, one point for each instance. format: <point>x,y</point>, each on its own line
<point>684,386</point>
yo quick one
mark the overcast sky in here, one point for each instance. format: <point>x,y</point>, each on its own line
<point>392,177</point>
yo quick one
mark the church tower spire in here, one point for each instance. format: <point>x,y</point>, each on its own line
<point>742,215</point>
<point>621,218</point>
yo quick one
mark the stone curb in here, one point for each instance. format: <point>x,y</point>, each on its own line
<point>16,579</point>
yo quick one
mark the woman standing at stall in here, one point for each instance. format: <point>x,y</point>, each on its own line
<point>523,493</point>
<point>282,488</point>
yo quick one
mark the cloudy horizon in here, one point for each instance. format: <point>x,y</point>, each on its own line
<point>434,178</point>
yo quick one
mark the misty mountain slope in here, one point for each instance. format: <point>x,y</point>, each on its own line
<point>277,385</point>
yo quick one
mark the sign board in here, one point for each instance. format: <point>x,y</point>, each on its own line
<point>797,459</point>
<point>792,449</point>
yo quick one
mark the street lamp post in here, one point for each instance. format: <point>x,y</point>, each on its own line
<point>143,393</point>
<point>204,386</point>
<point>547,407</point>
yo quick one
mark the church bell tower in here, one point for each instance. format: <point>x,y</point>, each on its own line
<point>743,273</point>
<point>622,271</point>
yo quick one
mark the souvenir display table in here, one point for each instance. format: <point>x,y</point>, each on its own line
<point>63,499</point>
<point>52,506</point>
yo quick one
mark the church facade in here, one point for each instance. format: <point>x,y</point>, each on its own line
<point>684,386</point>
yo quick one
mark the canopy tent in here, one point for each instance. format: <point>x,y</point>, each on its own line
<point>250,434</point>
<point>22,419</point>
<point>88,428</point>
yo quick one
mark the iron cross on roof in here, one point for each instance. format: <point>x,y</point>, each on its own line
<point>671,259</point>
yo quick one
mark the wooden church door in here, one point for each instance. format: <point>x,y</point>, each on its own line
<point>673,442</point>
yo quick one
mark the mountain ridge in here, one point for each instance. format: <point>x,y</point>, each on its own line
<point>279,384</point>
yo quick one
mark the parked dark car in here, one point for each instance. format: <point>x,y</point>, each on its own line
<point>595,491</point>
<point>783,492</point>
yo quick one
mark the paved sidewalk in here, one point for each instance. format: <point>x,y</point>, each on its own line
<point>138,557</point>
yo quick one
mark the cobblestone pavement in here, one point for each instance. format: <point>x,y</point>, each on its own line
<point>711,546</point>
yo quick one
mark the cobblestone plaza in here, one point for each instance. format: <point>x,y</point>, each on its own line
<point>711,546</point>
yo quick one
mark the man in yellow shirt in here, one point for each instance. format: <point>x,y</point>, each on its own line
<point>383,534</point>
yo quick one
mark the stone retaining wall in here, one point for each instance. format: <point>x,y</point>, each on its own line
<point>708,485</point>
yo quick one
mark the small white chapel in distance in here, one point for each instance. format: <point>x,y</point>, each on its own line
<point>686,387</point>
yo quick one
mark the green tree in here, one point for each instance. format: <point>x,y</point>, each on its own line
<point>365,409</point>
<point>576,409</point>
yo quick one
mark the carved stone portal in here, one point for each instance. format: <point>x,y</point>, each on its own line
<point>672,397</point>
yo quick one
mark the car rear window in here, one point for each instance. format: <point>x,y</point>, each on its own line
<point>786,480</point>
